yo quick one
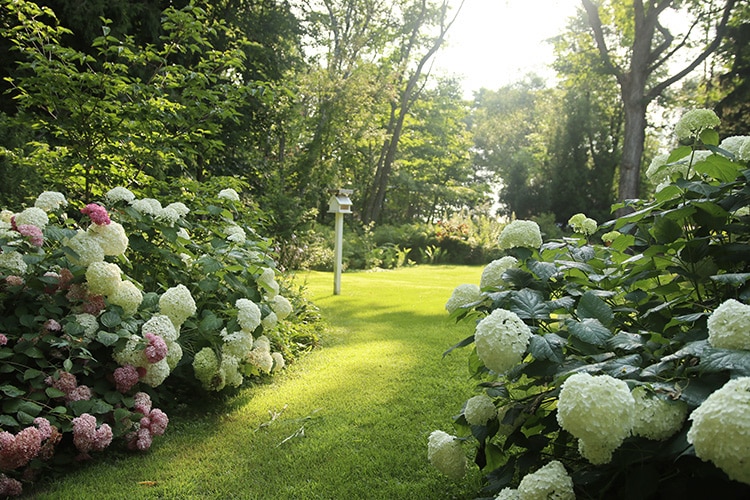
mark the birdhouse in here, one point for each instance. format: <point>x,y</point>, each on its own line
<point>339,203</point>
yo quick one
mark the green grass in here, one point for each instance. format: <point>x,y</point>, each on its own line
<point>349,420</point>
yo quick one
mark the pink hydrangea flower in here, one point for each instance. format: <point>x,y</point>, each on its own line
<point>125,378</point>
<point>97,213</point>
<point>9,487</point>
<point>33,233</point>
<point>153,423</point>
<point>3,339</point>
<point>65,382</point>
<point>156,350</point>
<point>86,436</point>
<point>80,393</point>
<point>18,450</point>
<point>14,280</point>
<point>52,325</point>
<point>159,422</point>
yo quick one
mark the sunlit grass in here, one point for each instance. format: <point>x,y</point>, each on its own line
<point>350,420</point>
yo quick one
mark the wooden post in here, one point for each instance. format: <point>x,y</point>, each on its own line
<point>338,253</point>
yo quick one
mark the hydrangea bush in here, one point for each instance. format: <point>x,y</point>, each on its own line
<point>621,354</point>
<point>113,309</point>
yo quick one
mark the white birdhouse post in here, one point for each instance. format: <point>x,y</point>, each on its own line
<point>339,204</point>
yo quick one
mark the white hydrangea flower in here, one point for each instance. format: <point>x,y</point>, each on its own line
<point>168,215</point>
<point>49,201</point>
<point>178,304</point>
<point>480,409</point>
<point>119,193</point>
<point>260,358</point>
<point>520,233</point>
<point>237,344</point>
<point>263,343</point>
<point>206,369</point>
<point>161,325</point>
<point>729,326</point>
<point>492,275</point>
<point>582,224</point>
<point>86,247</point>
<point>229,194</point>
<point>278,361</point>
<point>281,306</point>
<point>267,280</point>
<point>235,233</point>
<point>248,314</point>
<point>89,323</point>
<point>551,481</point>
<point>508,494</point>
<point>156,373</point>
<point>270,321</point>
<point>598,410</point>
<point>180,208</point>
<point>127,296</point>
<point>174,353</point>
<point>33,216</point>
<point>147,206</point>
<point>230,366</point>
<point>131,354</point>
<point>111,237</point>
<point>657,418</point>
<point>694,122</point>
<point>13,261</point>
<point>6,215</point>
<point>182,233</point>
<point>735,145</point>
<point>501,340</point>
<point>445,454</point>
<point>103,278</point>
<point>721,429</point>
<point>462,295</point>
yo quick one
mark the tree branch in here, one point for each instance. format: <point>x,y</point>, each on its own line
<point>596,25</point>
<point>720,31</point>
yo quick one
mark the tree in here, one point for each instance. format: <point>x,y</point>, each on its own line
<point>635,46</point>
<point>435,175</point>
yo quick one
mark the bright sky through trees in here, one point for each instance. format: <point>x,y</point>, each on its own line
<point>496,42</point>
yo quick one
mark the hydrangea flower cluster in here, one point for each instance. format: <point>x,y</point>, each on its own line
<point>97,213</point>
<point>281,306</point>
<point>445,453</point>
<point>720,429</point>
<point>235,233</point>
<point>550,481</point>
<point>206,370</point>
<point>33,216</point>
<point>10,487</point>
<point>87,437</point>
<point>661,173</point>
<point>729,326</point>
<point>582,224</point>
<point>492,275</point>
<point>126,377</point>
<point>479,410</point>
<point>501,340</point>
<point>111,237</point>
<point>248,314</point>
<point>13,262</point>
<point>260,356</point>
<point>50,201</point>
<point>18,450</point>
<point>599,411</point>
<point>68,384</point>
<point>267,281</point>
<point>119,193</point>
<point>520,233</point>
<point>657,418</point>
<point>32,233</point>
<point>154,354</point>
<point>228,194</point>
<point>694,122</point>
<point>178,304</point>
<point>153,423</point>
<point>103,278</point>
<point>462,295</point>
<point>737,145</point>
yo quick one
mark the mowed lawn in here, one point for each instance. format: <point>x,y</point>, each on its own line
<point>350,420</point>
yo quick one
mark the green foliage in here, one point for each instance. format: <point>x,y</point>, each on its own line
<point>68,331</point>
<point>127,112</point>
<point>636,309</point>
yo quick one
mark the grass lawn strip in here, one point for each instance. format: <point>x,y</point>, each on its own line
<point>349,420</point>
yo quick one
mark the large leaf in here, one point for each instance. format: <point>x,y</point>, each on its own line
<point>529,304</point>
<point>589,330</point>
<point>591,306</point>
<point>718,167</point>
<point>626,341</point>
<point>545,270</point>
<point>468,340</point>
<point>717,360</point>
<point>549,347</point>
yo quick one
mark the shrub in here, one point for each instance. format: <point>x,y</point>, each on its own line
<point>105,310</point>
<point>628,338</point>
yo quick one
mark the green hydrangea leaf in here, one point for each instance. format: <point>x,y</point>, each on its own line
<point>589,330</point>
<point>107,338</point>
<point>591,306</point>
<point>529,304</point>
<point>549,347</point>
